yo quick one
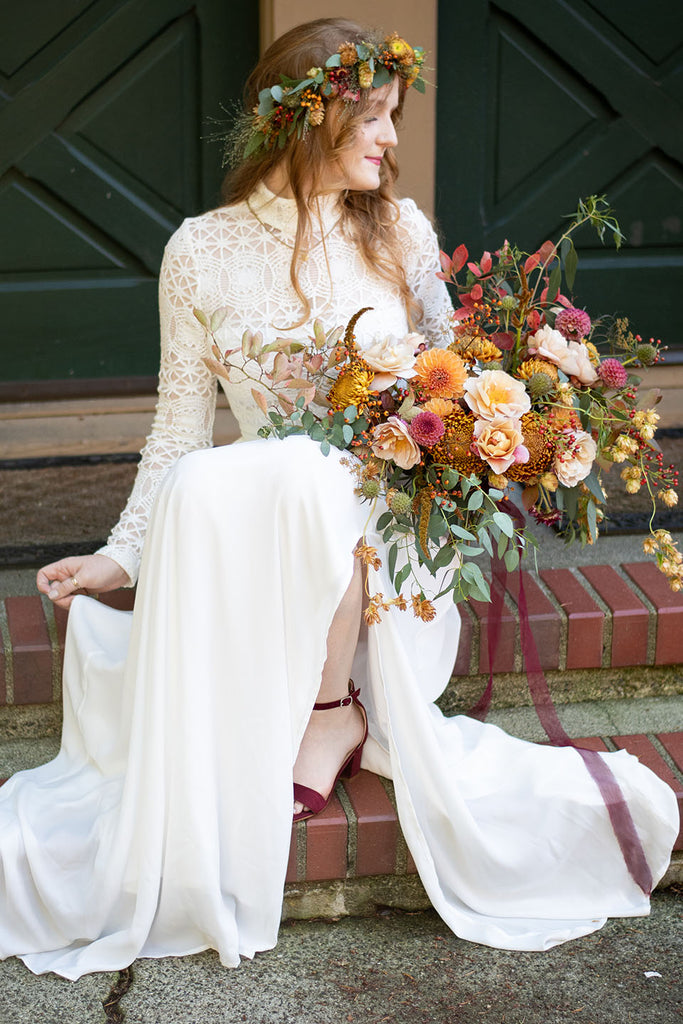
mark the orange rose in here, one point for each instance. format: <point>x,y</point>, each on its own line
<point>391,440</point>
<point>496,441</point>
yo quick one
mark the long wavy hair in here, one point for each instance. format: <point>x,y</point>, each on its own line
<point>369,217</point>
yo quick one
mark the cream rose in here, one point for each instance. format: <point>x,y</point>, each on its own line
<point>391,358</point>
<point>495,393</point>
<point>570,356</point>
<point>575,457</point>
<point>391,440</point>
<point>497,440</point>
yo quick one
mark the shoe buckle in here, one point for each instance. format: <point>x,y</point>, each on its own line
<point>345,701</point>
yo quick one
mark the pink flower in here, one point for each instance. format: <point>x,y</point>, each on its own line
<point>570,356</point>
<point>427,428</point>
<point>612,373</point>
<point>497,442</point>
<point>573,323</point>
<point>575,457</point>
<point>391,358</point>
<point>391,441</point>
<point>495,393</point>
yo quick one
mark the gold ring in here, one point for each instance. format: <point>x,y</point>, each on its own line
<point>76,584</point>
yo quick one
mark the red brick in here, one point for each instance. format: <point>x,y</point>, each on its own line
<point>504,656</point>
<point>591,743</point>
<point>121,599</point>
<point>463,659</point>
<point>673,744</point>
<point>669,605</point>
<point>630,617</point>
<point>649,756</point>
<point>291,875</point>
<point>545,622</point>
<point>377,829</point>
<point>326,843</point>
<point>31,650</point>
<point>584,618</point>
<point>61,619</point>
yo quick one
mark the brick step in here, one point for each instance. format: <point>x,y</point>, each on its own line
<point>353,856</point>
<point>602,632</point>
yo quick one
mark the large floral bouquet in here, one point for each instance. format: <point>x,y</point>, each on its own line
<point>530,394</point>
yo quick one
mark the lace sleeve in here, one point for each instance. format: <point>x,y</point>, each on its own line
<point>185,410</point>
<point>421,249</point>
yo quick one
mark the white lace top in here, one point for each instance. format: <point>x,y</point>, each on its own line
<point>239,257</point>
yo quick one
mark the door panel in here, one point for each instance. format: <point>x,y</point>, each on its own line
<point>103,106</point>
<point>542,103</point>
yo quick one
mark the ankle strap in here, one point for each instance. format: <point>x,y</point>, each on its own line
<point>343,703</point>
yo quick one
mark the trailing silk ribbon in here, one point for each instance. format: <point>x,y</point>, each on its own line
<point>619,814</point>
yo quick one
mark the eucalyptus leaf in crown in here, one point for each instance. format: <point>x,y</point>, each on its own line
<point>439,438</point>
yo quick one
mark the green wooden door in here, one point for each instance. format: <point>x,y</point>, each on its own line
<point>103,106</point>
<point>541,102</point>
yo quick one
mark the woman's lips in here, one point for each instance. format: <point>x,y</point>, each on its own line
<point>376,160</point>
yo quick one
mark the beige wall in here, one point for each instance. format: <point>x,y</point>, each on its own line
<point>417,23</point>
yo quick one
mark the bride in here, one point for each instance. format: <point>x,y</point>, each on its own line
<point>197,726</point>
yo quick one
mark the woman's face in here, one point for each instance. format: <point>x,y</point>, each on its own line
<point>374,135</point>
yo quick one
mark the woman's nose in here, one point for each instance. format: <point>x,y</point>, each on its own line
<point>389,137</point>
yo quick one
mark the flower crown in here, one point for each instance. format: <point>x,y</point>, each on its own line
<point>298,105</point>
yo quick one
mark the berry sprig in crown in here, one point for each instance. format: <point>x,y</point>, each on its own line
<point>298,105</point>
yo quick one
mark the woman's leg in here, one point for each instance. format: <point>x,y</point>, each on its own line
<point>330,735</point>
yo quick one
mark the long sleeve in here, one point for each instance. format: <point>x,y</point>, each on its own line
<point>421,255</point>
<point>184,416</point>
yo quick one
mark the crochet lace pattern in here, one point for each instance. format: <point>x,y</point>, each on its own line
<point>231,258</point>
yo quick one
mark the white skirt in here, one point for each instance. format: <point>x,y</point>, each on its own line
<point>163,825</point>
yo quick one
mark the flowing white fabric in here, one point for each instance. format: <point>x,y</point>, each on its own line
<point>163,826</point>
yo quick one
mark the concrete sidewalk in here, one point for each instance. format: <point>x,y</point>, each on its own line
<point>394,968</point>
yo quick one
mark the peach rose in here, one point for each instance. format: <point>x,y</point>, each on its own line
<point>391,358</point>
<point>495,393</point>
<point>576,453</point>
<point>391,440</point>
<point>499,442</point>
<point>572,357</point>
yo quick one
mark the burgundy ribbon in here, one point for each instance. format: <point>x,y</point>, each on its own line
<point>615,802</point>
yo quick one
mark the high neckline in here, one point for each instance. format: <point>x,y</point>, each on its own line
<point>281,213</point>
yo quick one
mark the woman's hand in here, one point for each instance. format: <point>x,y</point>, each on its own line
<point>91,574</point>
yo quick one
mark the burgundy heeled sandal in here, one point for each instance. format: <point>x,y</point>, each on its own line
<point>350,767</point>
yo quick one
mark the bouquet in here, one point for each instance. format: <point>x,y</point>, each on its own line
<point>530,395</point>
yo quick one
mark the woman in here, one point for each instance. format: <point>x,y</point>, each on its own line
<point>163,826</point>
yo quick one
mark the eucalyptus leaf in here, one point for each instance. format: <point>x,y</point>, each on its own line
<point>384,520</point>
<point>475,500</point>
<point>506,525</point>
<point>401,576</point>
<point>461,532</point>
<point>511,559</point>
<point>391,560</point>
<point>571,262</point>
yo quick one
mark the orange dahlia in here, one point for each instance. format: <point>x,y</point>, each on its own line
<point>441,373</point>
<point>529,367</point>
<point>441,407</point>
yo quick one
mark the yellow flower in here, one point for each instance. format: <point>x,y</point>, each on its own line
<point>365,75</point>
<point>347,54</point>
<point>441,407</point>
<point>529,367</point>
<point>440,373</point>
<point>649,545</point>
<point>352,386</point>
<point>400,49</point>
<point>669,497</point>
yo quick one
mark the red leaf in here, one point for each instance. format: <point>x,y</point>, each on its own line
<point>459,258</point>
<point>486,262</point>
<point>532,262</point>
<point>533,319</point>
<point>446,262</point>
<point>475,269</point>
<point>476,292</point>
<point>563,300</point>
<point>503,340</point>
<point>546,250</point>
<point>443,277</point>
<point>462,313</point>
